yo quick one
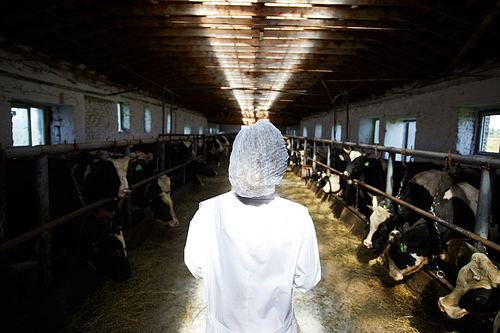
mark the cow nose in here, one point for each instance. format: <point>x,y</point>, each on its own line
<point>126,192</point>
<point>440,304</point>
<point>396,276</point>
<point>368,244</point>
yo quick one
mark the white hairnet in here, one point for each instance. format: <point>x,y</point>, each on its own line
<point>258,160</point>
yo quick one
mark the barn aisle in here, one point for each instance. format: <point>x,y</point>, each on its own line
<point>355,294</point>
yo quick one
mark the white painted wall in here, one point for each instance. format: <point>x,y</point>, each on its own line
<point>87,96</point>
<point>445,111</point>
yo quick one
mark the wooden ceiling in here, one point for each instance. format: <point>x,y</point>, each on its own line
<point>235,61</point>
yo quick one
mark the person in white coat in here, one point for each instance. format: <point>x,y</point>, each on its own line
<point>251,247</point>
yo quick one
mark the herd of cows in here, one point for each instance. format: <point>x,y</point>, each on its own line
<point>97,236</point>
<point>408,240</point>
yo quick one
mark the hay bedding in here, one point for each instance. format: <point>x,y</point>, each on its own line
<point>354,295</point>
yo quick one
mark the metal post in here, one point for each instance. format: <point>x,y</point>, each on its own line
<point>328,156</point>
<point>314,156</point>
<point>305,150</point>
<point>161,152</point>
<point>44,252</point>
<point>484,201</point>
<point>390,175</point>
<point>204,148</point>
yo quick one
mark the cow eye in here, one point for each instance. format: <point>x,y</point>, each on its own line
<point>117,253</point>
<point>481,300</point>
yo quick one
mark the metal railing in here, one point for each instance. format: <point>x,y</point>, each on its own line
<point>488,167</point>
<point>41,154</point>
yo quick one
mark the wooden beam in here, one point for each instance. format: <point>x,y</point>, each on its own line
<point>198,9</point>
<point>490,17</point>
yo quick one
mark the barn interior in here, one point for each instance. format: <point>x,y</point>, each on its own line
<point>409,74</point>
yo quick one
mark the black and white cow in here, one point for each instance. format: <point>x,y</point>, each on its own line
<point>153,197</point>
<point>419,192</point>
<point>418,245</point>
<point>65,196</point>
<point>179,153</point>
<point>476,290</point>
<point>369,171</point>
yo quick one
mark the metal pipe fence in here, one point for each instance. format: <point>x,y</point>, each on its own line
<point>487,164</point>
<point>41,153</point>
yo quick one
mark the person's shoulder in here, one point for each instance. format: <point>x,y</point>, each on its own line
<point>291,205</point>
<point>218,198</point>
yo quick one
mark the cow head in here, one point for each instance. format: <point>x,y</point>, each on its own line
<point>379,215</point>
<point>409,250</point>
<point>354,163</point>
<point>153,197</point>
<point>104,248</point>
<point>476,289</point>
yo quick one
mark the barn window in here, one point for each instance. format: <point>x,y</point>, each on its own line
<point>369,130</point>
<point>200,130</point>
<point>317,132</point>
<point>123,110</point>
<point>400,133</point>
<point>304,132</point>
<point>28,126</point>
<point>187,128</point>
<point>147,119</point>
<point>489,141</point>
<point>169,123</point>
<point>337,131</point>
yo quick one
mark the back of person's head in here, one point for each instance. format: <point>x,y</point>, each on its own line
<point>258,160</point>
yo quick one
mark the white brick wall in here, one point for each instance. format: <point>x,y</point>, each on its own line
<point>94,111</point>
<point>436,107</point>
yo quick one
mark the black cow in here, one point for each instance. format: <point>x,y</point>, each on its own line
<point>180,153</point>
<point>419,244</point>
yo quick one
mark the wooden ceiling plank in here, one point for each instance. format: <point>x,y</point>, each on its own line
<point>74,36</point>
<point>37,29</point>
<point>427,42</point>
<point>21,12</point>
<point>92,48</point>
<point>412,51</point>
<point>317,12</point>
<point>483,26</point>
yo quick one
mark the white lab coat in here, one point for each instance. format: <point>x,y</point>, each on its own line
<point>249,253</point>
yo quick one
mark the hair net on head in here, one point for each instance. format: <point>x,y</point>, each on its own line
<point>258,160</point>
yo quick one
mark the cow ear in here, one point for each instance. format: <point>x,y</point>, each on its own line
<point>406,226</point>
<point>367,154</point>
<point>479,266</point>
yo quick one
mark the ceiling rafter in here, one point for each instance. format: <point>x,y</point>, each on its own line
<point>216,61</point>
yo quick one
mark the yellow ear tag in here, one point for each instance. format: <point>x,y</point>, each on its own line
<point>367,164</point>
<point>138,167</point>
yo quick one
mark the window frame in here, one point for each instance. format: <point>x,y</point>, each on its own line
<point>480,131</point>
<point>46,122</point>
<point>148,121</point>
<point>122,117</point>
